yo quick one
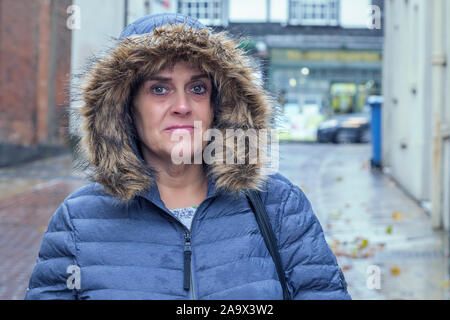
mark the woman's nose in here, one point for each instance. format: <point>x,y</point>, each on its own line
<point>181,105</point>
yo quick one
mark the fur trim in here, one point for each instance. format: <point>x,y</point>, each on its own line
<point>107,139</point>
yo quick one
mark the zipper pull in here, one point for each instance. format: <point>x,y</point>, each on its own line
<point>187,260</point>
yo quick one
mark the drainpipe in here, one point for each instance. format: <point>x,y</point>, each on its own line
<point>125,15</point>
<point>438,63</point>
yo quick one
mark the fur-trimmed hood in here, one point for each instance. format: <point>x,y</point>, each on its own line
<point>108,142</point>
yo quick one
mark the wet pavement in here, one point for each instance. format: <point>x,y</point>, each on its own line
<point>383,240</point>
<point>29,195</point>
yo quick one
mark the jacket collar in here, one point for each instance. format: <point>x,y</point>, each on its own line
<point>152,194</point>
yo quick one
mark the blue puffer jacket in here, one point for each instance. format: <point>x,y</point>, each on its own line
<point>115,238</point>
<point>136,251</point>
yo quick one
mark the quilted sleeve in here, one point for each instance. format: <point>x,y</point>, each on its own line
<point>54,274</point>
<point>311,268</point>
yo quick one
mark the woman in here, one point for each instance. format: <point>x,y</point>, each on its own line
<point>133,234</point>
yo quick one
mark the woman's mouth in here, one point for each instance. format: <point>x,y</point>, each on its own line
<point>174,128</point>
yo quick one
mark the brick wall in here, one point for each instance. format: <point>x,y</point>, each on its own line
<point>35,49</point>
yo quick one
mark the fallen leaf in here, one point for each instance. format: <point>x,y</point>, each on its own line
<point>358,248</point>
<point>389,230</point>
<point>335,242</point>
<point>339,252</point>
<point>395,271</point>
<point>42,229</point>
<point>336,214</point>
<point>365,165</point>
<point>339,179</point>
<point>345,268</point>
<point>397,215</point>
<point>445,284</point>
<point>363,243</point>
<point>354,253</point>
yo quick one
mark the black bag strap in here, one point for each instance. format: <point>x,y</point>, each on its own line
<point>269,237</point>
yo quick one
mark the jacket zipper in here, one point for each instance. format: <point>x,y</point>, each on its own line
<point>188,278</point>
<point>188,282</point>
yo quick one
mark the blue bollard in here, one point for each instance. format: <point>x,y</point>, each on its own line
<point>375,103</point>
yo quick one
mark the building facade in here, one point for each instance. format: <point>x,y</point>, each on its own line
<point>312,51</point>
<point>416,109</point>
<point>315,52</point>
<point>35,64</point>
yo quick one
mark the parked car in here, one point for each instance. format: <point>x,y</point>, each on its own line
<point>347,128</point>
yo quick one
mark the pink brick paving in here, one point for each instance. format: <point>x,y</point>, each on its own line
<point>23,220</point>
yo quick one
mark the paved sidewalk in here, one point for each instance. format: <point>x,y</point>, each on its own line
<point>29,195</point>
<point>373,227</point>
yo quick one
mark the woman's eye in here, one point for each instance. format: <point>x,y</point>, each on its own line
<point>199,89</point>
<point>158,90</point>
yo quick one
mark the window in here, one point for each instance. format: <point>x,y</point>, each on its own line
<point>314,12</point>
<point>209,12</point>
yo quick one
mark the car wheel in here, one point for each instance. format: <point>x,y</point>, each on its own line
<point>365,136</point>
<point>343,136</point>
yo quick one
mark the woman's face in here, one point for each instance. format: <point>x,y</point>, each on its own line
<point>166,106</point>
